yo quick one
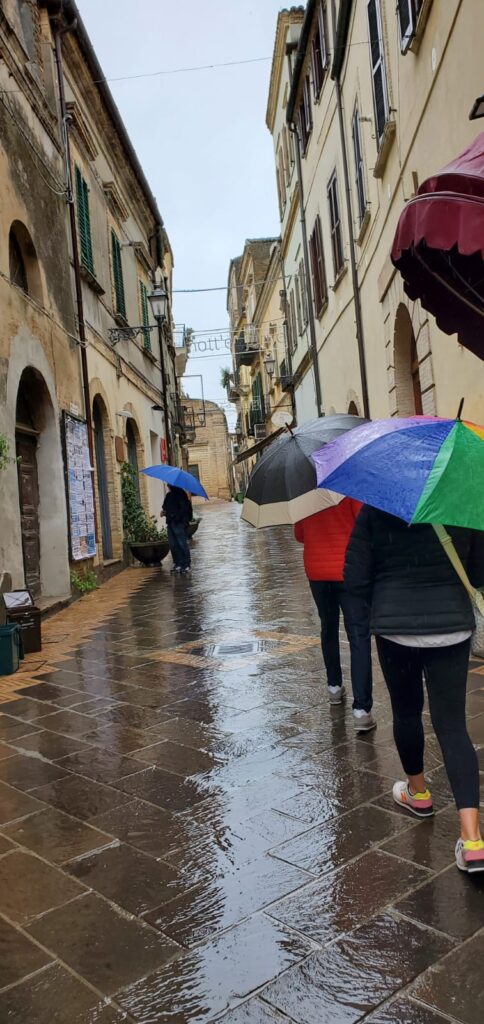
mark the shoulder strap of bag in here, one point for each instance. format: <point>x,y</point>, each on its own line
<point>448,546</point>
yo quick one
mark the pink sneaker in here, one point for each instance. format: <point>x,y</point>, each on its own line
<point>417,803</point>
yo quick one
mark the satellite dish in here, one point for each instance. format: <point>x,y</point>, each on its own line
<point>282,419</point>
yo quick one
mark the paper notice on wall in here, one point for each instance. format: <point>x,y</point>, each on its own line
<point>79,489</point>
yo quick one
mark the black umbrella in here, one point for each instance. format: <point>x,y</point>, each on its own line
<point>283,487</point>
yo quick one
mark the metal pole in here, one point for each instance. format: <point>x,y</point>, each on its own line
<point>169,447</point>
<point>75,258</point>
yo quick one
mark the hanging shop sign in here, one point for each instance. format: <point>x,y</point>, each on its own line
<point>80,494</point>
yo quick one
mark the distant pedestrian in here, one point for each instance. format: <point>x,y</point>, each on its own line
<point>178,510</point>
<point>325,536</point>
<point>423,620</point>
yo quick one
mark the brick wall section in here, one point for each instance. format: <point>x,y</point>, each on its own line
<point>210,451</point>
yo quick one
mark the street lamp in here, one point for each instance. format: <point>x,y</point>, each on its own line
<point>201,418</point>
<point>158,300</point>
<point>270,365</point>
<point>159,303</point>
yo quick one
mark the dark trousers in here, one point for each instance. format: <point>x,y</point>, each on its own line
<point>178,541</point>
<point>445,672</point>
<point>329,598</point>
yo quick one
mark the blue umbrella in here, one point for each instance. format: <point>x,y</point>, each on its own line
<point>177,478</point>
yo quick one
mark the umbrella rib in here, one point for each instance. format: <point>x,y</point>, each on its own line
<point>446,284</point>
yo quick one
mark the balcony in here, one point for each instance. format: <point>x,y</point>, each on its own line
<point>286,380</point>
<point>246,348</point>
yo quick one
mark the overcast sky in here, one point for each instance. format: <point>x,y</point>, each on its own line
<point>200,136</point>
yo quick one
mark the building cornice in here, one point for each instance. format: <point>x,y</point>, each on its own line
<point>292,16</point>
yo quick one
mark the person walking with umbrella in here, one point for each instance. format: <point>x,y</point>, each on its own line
<point>177,508</point>
<point>325,536</point>
<point>418,581</point>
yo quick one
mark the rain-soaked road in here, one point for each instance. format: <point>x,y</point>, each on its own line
<point>189,832</point>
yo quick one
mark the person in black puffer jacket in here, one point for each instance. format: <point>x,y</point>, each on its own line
<point>422,618</point>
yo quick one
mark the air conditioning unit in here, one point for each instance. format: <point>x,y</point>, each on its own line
<point>260,431</point>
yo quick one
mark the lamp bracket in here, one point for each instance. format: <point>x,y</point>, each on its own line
<point>117,334</point>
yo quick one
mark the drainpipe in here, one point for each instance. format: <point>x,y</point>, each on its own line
<point>349,213</point>
<point>164,385</point>
<point>312,328</point>
<point>58,33</point>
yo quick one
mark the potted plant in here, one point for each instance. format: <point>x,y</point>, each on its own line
<point>147,543</point>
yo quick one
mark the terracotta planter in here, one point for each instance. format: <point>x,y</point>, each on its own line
<point>150,552</point>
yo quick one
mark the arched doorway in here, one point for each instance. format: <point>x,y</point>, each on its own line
<point>99,417</point>
<point>406,362</point>
<point>41,495</point>
<point>352,410</point>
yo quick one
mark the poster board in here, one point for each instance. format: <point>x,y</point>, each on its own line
<point>80,495</point>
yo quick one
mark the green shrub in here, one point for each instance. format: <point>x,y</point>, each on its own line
<point>85,581</point>
<point>138,527</point>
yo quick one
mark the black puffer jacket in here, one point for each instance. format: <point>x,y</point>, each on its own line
<point>407,578</point>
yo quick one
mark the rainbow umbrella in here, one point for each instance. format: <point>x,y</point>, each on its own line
<point>423,469</point>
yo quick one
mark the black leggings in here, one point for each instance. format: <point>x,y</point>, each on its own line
<point>445,672</point>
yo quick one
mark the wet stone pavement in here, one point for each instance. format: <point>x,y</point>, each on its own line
<point>188,832</point>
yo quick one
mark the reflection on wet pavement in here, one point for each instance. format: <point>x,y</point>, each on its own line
<point>188,832</point>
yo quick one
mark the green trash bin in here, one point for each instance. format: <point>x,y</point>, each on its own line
<point>11,649</point>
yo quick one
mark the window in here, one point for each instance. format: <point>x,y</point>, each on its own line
<point>297,288</point>
<point>84,222</point>
<point>305,116</point>
<point>18,272</point>
<point>279,193</point>
<point>143,295</point>
<point>292,155</point>
<point>282,178</point>
<point>292,324</point>
<point>380,90</point>
<point>335,222</point>
<point>118,276</point>
<point>359,166</point>
<point>408,12</point>
<point>320,291</point>
<point>319,57</point>
<point>304,292</point>
<point>285,153</point>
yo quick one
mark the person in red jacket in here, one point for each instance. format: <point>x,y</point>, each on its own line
<point>325,536</point>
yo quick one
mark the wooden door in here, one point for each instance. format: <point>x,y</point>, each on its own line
<point>26,445</point>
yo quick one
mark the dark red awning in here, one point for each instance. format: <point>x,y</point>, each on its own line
<point>439,247</point>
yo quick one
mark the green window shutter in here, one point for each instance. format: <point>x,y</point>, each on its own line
<point>84,222</point>
<point>143,291</point>
<point>118,275</point>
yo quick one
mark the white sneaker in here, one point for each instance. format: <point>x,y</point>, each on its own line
<point>364,721</point>
<point>469,856</point>
<point>419,804</point>
<point>336,694</point>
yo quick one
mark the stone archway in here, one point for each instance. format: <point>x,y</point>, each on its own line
<point>406,366</point>
<point>41,491</point>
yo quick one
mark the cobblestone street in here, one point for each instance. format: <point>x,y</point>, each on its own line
<point>189,832</point>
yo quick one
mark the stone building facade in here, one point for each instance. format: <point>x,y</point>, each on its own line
<point>379,98</point>
<point>62,365</point>
<point>209,454</point>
